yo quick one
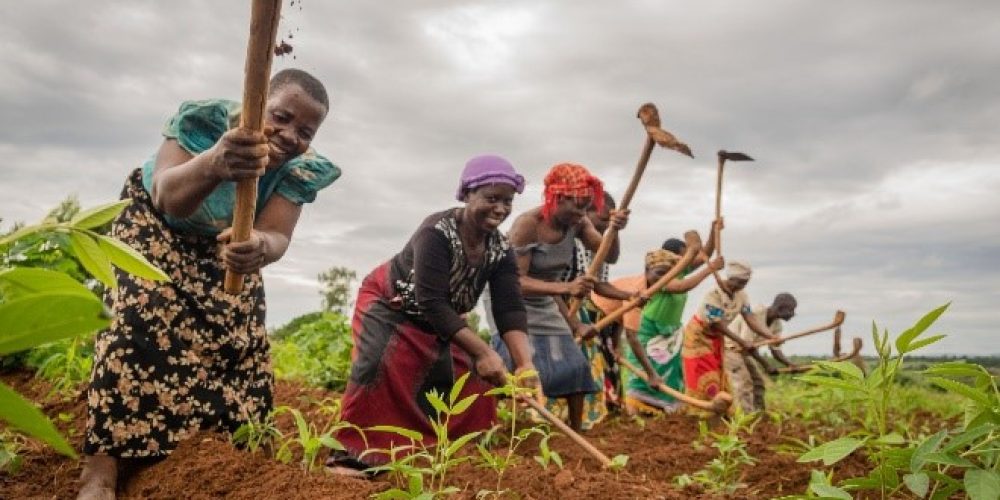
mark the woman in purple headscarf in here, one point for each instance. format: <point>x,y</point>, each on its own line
<point>410,336</point>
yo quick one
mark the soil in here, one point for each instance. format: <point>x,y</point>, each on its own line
<point>208,466</point>
<point>283,48</point>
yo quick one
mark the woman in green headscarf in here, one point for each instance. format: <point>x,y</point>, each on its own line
<point>659,335</point>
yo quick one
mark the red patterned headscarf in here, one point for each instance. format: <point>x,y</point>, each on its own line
<point>574,181</point>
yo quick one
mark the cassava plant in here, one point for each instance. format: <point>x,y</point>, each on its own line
<point>429,479</point>
<point>723,473</point>
<point>504,460</point>
<point>913,465</point>
<point>308,439</point>
<point>40,305</point>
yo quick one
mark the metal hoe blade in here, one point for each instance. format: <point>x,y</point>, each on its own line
<point>733,156</point>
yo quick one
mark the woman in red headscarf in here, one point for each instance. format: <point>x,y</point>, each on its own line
<point>543,240</point>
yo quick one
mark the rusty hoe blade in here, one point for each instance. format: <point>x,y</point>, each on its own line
<point>733,156</point>
<point>650,118</point>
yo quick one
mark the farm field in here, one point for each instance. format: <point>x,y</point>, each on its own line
<point>659,449</point>
<point>662,451</point>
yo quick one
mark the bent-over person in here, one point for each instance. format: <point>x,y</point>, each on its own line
<point>702,352</point>
<point>543,238</point>
<point>745,374</point>
<point>184,355</point>
<point>410,334</point>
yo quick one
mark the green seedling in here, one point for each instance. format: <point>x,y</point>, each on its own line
<point>253,435</point>
<point>722,473</point>
<point>427,480</point>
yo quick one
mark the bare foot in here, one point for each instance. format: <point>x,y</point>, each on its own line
<point>346,471</point>
<point>99,478</point>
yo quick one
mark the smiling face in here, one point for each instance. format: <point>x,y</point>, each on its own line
<point>488,206</point>
<point>295,118</point>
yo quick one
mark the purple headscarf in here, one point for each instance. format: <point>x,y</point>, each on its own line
<point>488,169</point>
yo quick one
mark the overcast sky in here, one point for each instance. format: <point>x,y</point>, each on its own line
<point>876,188</point>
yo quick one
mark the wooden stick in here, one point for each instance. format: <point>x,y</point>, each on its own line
<point>650,118</point>
<point>838,319</point>
<point>264,17</point>
<point>718,210</point>
<point>693,243</point>
<point>565,429</point>
<point>719,404</point>
<point>611,233</point>
<point>844,357</point>
<point>715,274</point>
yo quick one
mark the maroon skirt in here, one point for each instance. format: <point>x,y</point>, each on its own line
<point>395,362</point>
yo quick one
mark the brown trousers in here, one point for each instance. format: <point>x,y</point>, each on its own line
<point>746,381</point>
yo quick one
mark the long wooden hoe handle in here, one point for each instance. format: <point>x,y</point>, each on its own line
<point>565,429</point>
<point>856,349</point>
<point>693,242</point>
<point>716,230</point>
<point>611,233</point>
<point>264,17</point>
<point>650,118</point>
<point>723,398</point>
<point>838,319</point>
<point>718,210</point>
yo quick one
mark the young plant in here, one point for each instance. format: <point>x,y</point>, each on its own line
<point>548,456</point>
<point>317,351</point>
<point>429,480</point>
<point>66,364</point>
<point>618,463</point>
<point>40,305</point>
<point>11,445</point>
<point>308,439</point>
<point>919,465</point>
<point>722,473</point>
<point>501,462</point>
<point>974,447</point>
<point>253,435</point>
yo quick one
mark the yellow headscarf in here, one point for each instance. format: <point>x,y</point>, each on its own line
<point>661,257</point>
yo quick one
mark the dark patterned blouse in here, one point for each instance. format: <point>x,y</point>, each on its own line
<point>435,284</point>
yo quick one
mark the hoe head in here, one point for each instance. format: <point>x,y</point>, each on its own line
<point>650,118</point>
<point>838,318</point>
<point>721,402</point>
<point>733,156</point>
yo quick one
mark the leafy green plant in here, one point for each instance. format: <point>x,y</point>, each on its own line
<point>903,463</point>
<point>308,439</point>
<point>10,452</point>
<point>618,463</point>
<point>722,473</point>
<point>547,455</point>
<point>253,435</point>
<point>972,447</point>
<point>44,305</point>
<point>428,480</point>
<point>317,353</point>
<point>65,363</point>
<point>501,462</point>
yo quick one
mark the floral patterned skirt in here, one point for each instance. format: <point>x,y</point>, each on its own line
<point>179,356</point>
